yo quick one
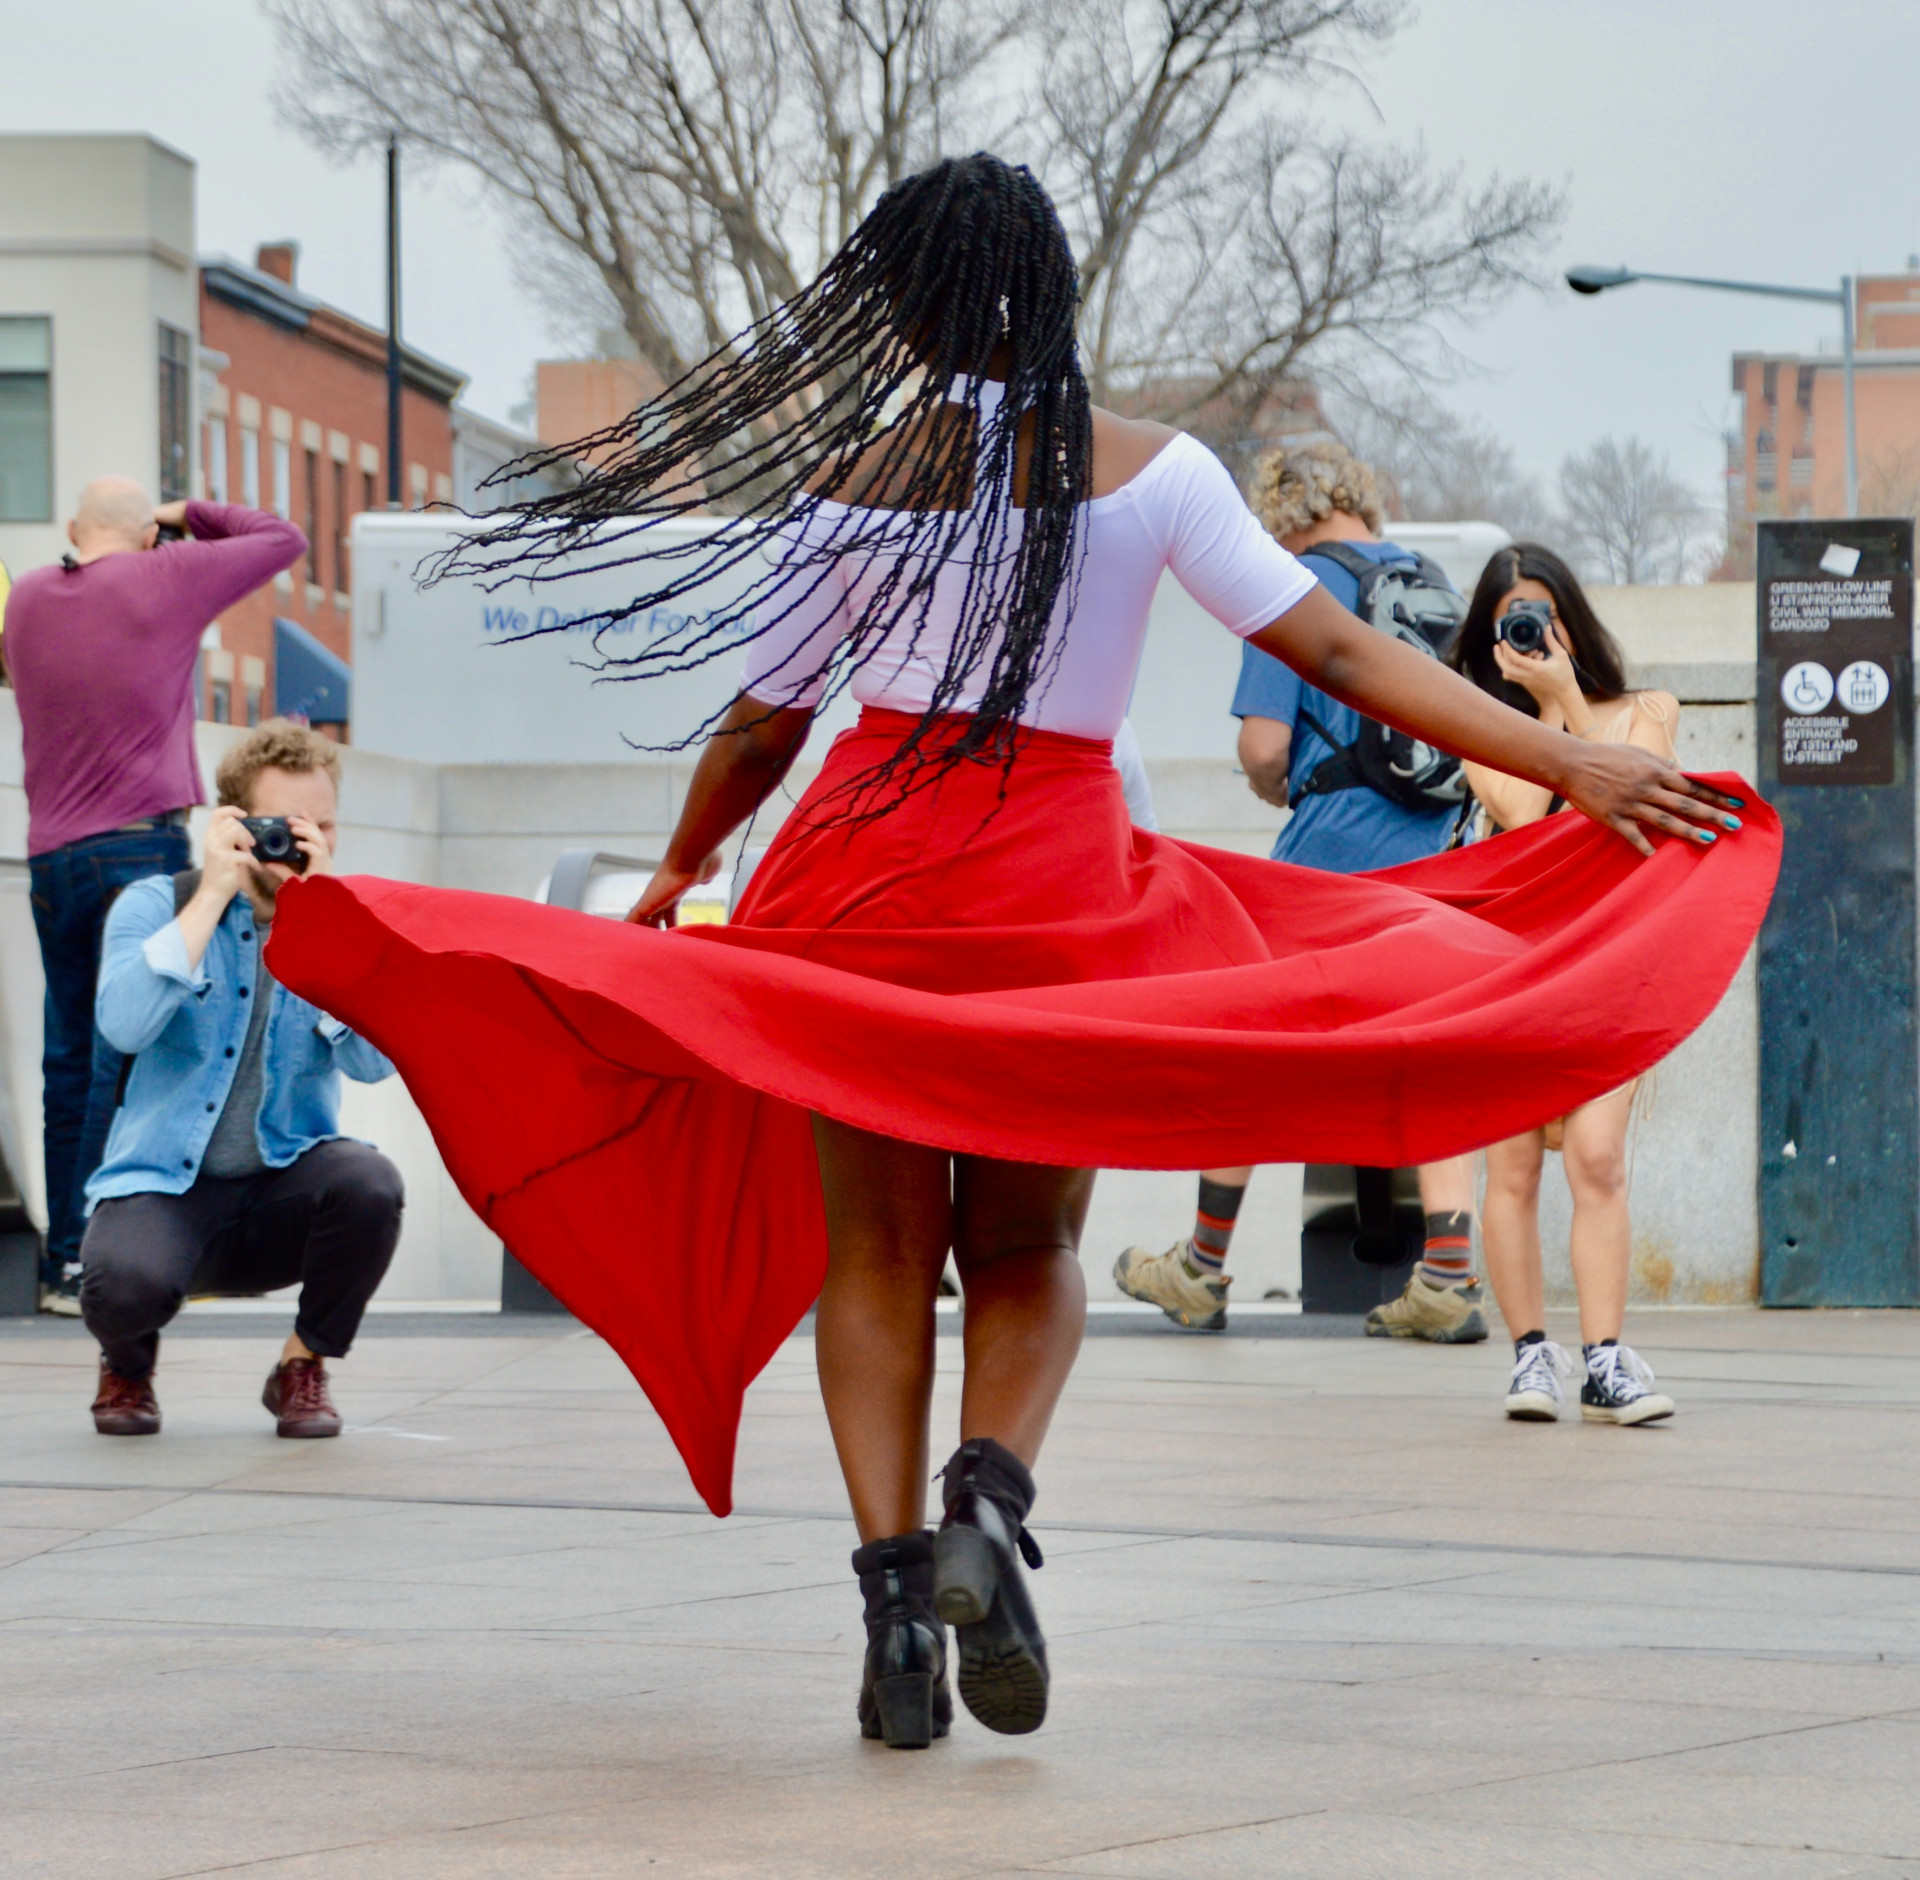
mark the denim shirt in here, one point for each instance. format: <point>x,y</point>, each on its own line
<point>186,1024</point>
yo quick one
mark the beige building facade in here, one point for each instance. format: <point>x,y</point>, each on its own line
<point>99,325</point>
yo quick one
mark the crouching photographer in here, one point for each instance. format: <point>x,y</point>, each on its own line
<point>1531,638</point>
<point>225,1170</point>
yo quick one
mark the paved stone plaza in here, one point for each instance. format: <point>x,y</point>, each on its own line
<point>1315,1609</point>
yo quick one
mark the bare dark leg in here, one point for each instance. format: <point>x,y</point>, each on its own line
<point>889,1225</point>
<point>1016,1243</point>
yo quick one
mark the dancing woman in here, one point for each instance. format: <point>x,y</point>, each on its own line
<point>959,981</point>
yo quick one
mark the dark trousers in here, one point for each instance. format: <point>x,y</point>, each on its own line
<point>73,888</point>
<point>329,1220</point>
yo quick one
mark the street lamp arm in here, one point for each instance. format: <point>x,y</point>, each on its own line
<point>1592,280</point>
<point>1830,296</point>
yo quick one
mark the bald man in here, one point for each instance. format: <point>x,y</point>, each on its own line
<point>101,649</point>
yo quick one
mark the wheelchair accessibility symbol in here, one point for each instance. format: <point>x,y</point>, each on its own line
<point>1863,686</point>
<point>1808,687</point>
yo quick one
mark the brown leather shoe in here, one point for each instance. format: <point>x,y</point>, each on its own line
<point>296,1393</point>
<point>125,1406</point>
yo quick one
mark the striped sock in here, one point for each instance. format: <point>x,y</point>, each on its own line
<point>1447,1259</point>
<point>1213,1225</point>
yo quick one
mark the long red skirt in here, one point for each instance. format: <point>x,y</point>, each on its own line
<point>1002,966</point>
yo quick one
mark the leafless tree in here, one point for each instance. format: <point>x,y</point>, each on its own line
<point>1439,467</point>
<point>690,163</point>
<point>1629,519</point>
<point>1221,239</point>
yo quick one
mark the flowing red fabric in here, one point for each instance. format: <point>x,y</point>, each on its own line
<point>1001,966</point>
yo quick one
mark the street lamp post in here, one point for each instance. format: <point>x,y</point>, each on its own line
<point>1588,280</point>
<point>393,321</point>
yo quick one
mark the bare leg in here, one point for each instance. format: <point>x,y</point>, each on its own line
<point>1447,1187</point>
<point>1595,1153</point>
<point>1510,1230</point>
<point>1016,1243</point>
<point>1227,1177</point>
<point>889,1223</point>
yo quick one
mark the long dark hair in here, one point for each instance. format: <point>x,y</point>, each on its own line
<point>959,263</point>
<point>1597,658</point>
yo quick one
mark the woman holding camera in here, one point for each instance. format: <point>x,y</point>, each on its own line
<point>1531,639</point>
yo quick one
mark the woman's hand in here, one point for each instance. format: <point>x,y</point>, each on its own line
<point>1630,790</point>
<point>1547,674</point>
<point>662,894</point>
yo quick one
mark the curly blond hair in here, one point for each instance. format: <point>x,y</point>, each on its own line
<point>1302,483</point>
<point>279,744</point>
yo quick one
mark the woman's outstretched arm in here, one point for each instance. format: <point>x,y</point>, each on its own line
<point>1628,789</point>
<point>738,770</point>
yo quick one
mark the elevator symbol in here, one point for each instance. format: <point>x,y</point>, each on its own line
<point>1864,686</point>
<point>1808,687</point>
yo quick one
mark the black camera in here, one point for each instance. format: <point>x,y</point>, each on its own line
<point>274,841</point>
<point>1526,626</point>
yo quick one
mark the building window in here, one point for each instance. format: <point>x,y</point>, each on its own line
<point>223,701</point>
<point>1803,391</point>
<point>176,414</point>
<point>312,524</point>
<point>341,577</point>
<point>366,490</point>
<point>26,420</point>
<point>253,706</point>
<point>217,461</point>
<point>283,479</point>
<point>250,468</point>
<point>1770,381</point>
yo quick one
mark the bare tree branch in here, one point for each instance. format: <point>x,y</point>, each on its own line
<point>1628,517</point>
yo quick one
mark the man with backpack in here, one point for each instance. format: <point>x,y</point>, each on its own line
<point>225,1169</point>
<point>1363,796</point>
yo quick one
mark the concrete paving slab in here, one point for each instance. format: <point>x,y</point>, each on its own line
<point>1315,1609</point>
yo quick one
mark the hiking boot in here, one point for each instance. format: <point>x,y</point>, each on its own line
<point>904,1700</point>
<point>125,1406</point>
<point>296,1393</point>
<point>1172,1282</point>
<point>980,1591</point>
<point>1536,1392</point>
<point>1442,1315</point>
<point>1619,1388</point>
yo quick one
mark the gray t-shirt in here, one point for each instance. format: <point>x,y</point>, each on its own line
<point>234,1150</point>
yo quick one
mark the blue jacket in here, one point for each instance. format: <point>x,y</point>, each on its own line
<point>186,1026</point>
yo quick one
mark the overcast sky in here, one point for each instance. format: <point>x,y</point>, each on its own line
<point>1748,138</point>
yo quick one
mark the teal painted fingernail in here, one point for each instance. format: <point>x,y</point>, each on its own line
<point>1739,802</point>
<point>1707,835</point>
<point>1732,822</point>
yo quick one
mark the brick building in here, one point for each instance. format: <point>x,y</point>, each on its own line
<point>295,420</point>
<point>1786,449</point>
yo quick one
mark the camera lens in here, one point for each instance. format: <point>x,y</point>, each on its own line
<point>1524,628</point>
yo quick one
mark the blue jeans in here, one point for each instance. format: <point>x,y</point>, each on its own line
<point>73,887</point>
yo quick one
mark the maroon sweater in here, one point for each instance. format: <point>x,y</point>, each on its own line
<point>102,663</point>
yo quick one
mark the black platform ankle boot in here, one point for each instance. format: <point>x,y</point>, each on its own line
<point>903,1696</point>
<point>980,1591</point>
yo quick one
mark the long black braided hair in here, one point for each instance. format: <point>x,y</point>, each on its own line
<point>964,264</point>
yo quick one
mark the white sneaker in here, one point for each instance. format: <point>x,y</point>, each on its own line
<point>1170,1281</point>
<point>1536,1391</point>
<point>1619,1388</point>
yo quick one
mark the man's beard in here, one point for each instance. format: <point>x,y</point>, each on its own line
<point>266,889</point>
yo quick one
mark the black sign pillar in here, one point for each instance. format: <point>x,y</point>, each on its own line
<point>1839,1063</point>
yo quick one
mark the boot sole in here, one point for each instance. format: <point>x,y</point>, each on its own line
<point>1001,1682</point>
<point>1470,1331</point>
